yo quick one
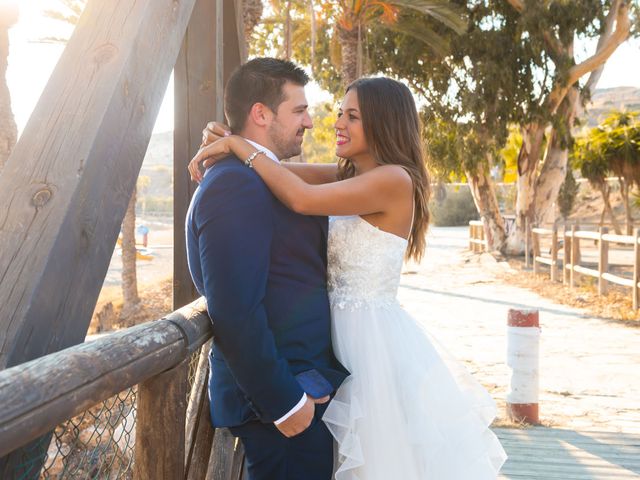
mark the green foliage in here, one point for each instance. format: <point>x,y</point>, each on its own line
<point>611,148</point>
<point>567,194</point>
<point>456,209</point>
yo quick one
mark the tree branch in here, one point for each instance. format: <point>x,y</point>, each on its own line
<point>606,34</point>
<point>517,4</point>
<point>602,54</point>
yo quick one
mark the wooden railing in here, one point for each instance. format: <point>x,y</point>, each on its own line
<point>571,257</point>
<point>477,240</point>
<point>173,440</point>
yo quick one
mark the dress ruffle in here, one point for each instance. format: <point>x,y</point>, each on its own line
<point>409,410</point>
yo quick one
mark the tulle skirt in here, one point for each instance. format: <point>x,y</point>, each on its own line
<point>409,410</point>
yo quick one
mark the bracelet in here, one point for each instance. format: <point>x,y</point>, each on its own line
<point>249,161</point>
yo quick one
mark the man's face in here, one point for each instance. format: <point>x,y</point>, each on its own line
<point>289,123</point>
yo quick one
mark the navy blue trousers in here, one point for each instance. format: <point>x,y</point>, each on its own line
<point>272,456</point>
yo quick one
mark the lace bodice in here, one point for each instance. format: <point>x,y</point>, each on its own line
<point>364,263</point>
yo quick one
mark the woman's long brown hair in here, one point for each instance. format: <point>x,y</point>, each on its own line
<point>392,129</point>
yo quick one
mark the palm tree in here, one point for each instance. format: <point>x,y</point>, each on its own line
<point>8,128</point>
<point>355,17</point>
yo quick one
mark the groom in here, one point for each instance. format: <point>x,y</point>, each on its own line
<point>262,269</point>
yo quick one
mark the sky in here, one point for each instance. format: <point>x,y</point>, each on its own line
<point>31,62</point>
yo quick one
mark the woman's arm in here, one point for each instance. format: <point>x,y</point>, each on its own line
<point>314,173</point>
<point>372,192</point>
<point>311,173</point>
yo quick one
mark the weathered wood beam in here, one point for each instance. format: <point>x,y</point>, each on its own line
<point>199,431</point>
<point>211,50</point>
<point>38,395</point>
<point>66,186</point>
<point>161,407</point>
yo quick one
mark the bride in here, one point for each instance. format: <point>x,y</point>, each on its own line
<point>408,410</point>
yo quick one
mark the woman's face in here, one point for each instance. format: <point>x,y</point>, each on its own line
<point>350,140</point>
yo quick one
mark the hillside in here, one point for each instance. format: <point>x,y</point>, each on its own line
<point>607,99</point>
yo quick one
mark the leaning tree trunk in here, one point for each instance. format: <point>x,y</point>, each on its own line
<point>8,129</point>
<point>129,276</point>
<point>484,196</point>
<point>605,191</point>
<point>349,50</point>
<point>528,159</point>
<point>554,167</point>
<point>624,193</point>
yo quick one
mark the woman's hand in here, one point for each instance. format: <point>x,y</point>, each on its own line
<point>208,155</point>
<point>214,131</point>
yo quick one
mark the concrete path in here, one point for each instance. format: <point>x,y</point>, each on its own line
<point>590,367</point>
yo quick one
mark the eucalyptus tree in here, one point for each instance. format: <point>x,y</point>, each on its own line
<point>514,66</point>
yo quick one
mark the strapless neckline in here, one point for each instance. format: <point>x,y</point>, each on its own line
<point>382,231</point>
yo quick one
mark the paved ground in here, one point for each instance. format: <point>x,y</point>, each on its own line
<point>590,368</point>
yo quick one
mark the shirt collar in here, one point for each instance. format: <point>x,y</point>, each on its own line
<point>269,153</point>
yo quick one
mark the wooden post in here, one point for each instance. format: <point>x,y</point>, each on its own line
<point>636,268</point>
<point>210,52</point>
<point>554,254</point>
<point>603,261</point>
<point>535,243</point>
<point>566,260</point>
<point>574,256</point>
<point>199,431</point>
<point>471,236</point>
<point>160,425</point>
<point>227,457</point>
<point>526,243</point>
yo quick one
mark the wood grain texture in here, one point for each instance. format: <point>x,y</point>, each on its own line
<point>541,453</point>
<point>209,54</point>
<point>160,433</point>
<point>67,184</point>
<point>199,431</point>
<point>38,395</point>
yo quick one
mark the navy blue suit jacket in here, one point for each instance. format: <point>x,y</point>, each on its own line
<point>262,269</point>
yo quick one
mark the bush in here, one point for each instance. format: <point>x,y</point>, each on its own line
<point>456,209</point>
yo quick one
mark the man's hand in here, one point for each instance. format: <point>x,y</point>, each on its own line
<point>214,131</point>
<point>300,421</point>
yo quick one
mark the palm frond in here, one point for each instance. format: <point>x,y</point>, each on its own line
<point>442,11</point>
<point>422,33</point>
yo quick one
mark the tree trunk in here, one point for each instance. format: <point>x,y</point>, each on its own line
<point>624,193</point>
<point>528,159</point>
<point>484,196</point>
<point>251,15</point>
<point>349,50</point>
<point>8,129</point>
<point>312,15</point>
<point>554,168</point>
<point>605,191</point>
<point>287,32</point>
<point>129,277</point>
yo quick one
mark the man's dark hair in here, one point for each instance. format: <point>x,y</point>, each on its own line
<point>258,81</point>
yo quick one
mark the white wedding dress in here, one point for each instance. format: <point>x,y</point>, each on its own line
<point>408,411</point>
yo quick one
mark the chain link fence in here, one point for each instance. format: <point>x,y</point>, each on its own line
<point>97,444</point>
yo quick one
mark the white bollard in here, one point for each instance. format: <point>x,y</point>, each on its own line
<point>523,358</point>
